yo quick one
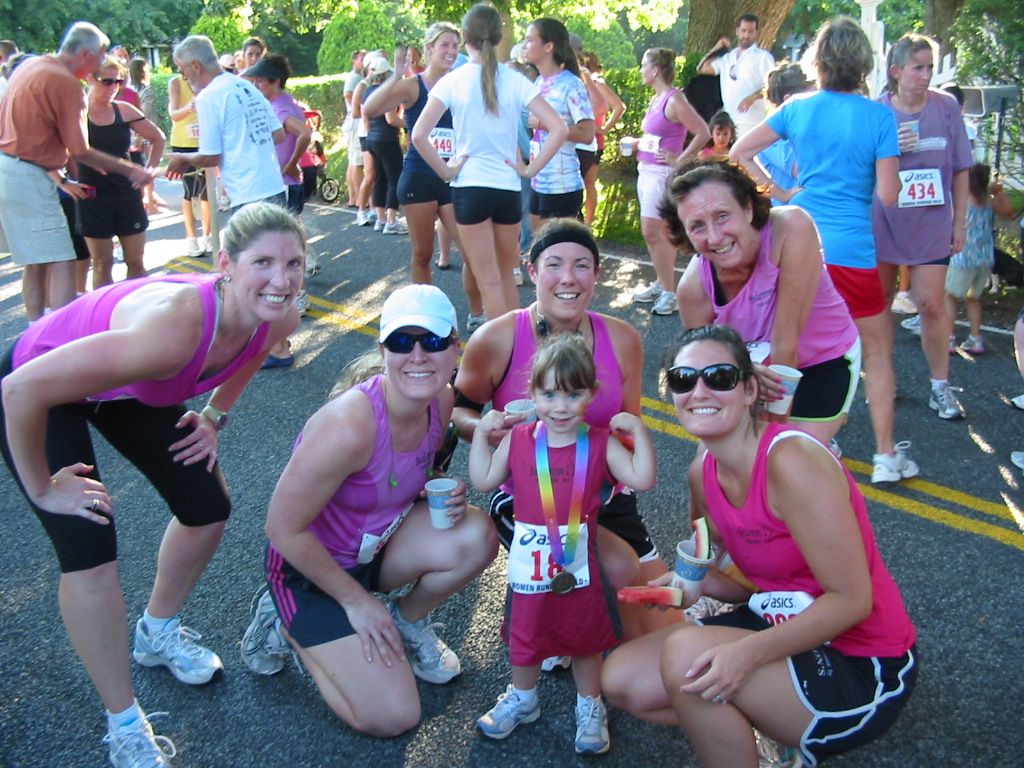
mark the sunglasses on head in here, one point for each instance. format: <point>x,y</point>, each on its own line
<point>402,343</point>
<point>720,377</point>
<point>110,80</point>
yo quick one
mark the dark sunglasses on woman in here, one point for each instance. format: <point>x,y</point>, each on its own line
<point>401,343</point>
<point>720,377</point>
<point>108,81</point>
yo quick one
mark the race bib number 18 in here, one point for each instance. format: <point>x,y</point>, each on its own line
<point>530,566</point>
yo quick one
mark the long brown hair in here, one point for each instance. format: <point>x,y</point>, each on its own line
<point>481,29</point>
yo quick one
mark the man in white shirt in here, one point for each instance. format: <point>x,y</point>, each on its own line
<point>237,128</point>
<point>742,71</point>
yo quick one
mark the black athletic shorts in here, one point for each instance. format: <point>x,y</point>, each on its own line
<point>311,616</point>
<point>563,206</point>
<point>475,205</point>
<point>104,217</point>
<point>853,699</point>
<point>619,515</point>
<point>193,180</point>
<point>587,160</point>
<point>415,187</point>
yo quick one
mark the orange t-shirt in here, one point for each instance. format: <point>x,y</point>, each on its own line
<point>42,115</point>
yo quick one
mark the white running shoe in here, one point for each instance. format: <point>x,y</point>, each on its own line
<point>591,726</point>
<point>647,294</point>
<point>263,649</point>
<point>1017,459</point>
<point>1017,402</point>
<point>772,754</point>
<point>902,304</point>
<point>912,324</point>
<point>665,304</point>
<point>944,402</point>
<point>175,647</point>
<point>431,659</point>
<point>555,663</point>
<point>895,467</point>
<point>136,746</point>
<point>507,713</point>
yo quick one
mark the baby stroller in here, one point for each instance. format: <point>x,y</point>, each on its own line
<point>314,162</point>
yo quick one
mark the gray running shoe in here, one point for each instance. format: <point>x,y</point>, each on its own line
<point>136,746</point>
<point>772,754</point>
<point>175,647</point>
<point>944,402</point>
<point>646,294</point>
<point>263,649</point>
<point>591,727</point>
<point>508,713</point>
<point>431,659</point>
<point>665,304</point>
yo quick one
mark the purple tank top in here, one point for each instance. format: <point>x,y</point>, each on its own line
<point>90,314</point>
<point>763,548</point>
<point>673,135</point>
<point>516,382</point>
<point>370,500</point>
<point>829,331</point>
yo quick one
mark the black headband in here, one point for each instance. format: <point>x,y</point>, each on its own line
<point>565,235</point>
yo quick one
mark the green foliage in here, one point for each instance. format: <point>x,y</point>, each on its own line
<point>989,38</point>
<point>227,32</point>
<point>324,94</point>
<point>367,26</point>
<point>611,44</point>
<point>158,82</point>
<point>806,16</point>
<point>618,209</point>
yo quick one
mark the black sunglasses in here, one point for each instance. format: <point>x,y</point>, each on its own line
<point>110,80</point>
<point>402,343</point>
<point>720,377</point>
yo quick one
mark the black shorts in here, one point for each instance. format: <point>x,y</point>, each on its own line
<point>193,180</point>
<point>67,204</point>
<point>619,515</point>
<point>852,699</point>
<point>587,160</point>
<point>566,205</point>
<point>826,390</point>
<point>415,187</point>
<point>141,434</point>
<point>475,205</point>
<point>109,215</point>
<point>311,616</point>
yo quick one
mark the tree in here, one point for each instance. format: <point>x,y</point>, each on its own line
<point>939,16</point>
<point>712,19</point>
<point>366,26</point>
<point>227,32</point>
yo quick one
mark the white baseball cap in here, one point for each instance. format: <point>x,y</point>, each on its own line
<point>418,306</point>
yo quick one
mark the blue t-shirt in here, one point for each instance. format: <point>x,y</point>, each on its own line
<point>837,137</point>
<point>779,161</point>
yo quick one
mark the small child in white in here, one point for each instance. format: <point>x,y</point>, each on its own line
<point>559,604</point>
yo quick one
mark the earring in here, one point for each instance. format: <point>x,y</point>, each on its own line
<point>226,278</point>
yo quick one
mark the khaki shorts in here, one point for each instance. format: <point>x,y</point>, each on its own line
<point>33,223</point>
<point>970,282</point>
<point>355,150</point>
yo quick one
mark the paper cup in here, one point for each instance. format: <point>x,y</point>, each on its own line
<point>790,379</point>
<point>626,144</point>
<point>690,571</point>
<point>439,491</point>
<point>914,127</point>
<point>525,408</point>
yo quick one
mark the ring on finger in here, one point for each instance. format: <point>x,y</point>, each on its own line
<point>718,700</point>
<point>95,505</point>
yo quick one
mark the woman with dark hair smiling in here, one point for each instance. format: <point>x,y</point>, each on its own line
<point>823,657</point>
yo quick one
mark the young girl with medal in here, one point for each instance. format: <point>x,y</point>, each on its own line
<point>557,598</point>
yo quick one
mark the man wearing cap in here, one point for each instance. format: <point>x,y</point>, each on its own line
<point>36,141</point>
<point>742,73</point>
<point>237,128</point>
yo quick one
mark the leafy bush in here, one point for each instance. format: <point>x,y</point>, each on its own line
<point>227,32</point>
<point>158,82</point>
<point>353,28</point>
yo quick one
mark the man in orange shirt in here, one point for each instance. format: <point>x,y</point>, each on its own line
<point>42,125</point>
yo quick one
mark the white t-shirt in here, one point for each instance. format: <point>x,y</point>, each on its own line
<point>487,140</point>
<point>237,122</point>
<point>742,72</point>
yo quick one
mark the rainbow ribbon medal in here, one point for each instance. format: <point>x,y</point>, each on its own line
<point>563,582</point>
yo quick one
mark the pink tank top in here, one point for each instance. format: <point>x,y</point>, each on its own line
<point>370,500</point>
<point>829,332</point>
<point>762,547</point>
<point>90,314</point>
<point>673,135</point>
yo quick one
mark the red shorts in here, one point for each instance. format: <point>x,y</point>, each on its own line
<point>861,289</point>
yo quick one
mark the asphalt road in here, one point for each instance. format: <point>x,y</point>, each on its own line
<point>952,539</point>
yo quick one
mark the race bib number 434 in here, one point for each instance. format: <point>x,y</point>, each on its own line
<point>921,187</point>
<point>530,566</point>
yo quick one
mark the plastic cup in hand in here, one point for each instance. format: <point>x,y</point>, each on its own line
<point>790,379</point>
<point>914,128</point>
<point>690,570</point>
<point>626,144</point>
<point>439,490</point>
<point>525,408</point>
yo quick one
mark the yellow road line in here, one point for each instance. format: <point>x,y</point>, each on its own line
<point>342,316</point>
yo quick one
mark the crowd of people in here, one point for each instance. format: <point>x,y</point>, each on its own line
<point>796,207</point>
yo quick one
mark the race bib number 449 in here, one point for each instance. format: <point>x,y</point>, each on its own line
<point>530,566</point>
<point>443,140</point>
<point>921,187</point>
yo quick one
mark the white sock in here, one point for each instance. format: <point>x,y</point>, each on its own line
<point>131,715</point>
<point>580,699</point>
<point>154,624</point>
<point>939,383</point>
